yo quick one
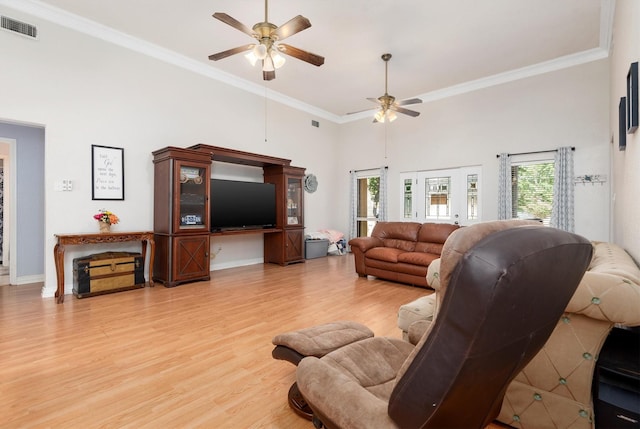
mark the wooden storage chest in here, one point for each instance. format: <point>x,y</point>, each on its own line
<point>107,272</point>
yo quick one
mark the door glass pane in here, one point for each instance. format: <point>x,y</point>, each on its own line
<point>294,201</point>
<point>368,200</point>
<point>193,197</point>
<point>408,200</point>
<point>438,197</point>
<point>472,197</point>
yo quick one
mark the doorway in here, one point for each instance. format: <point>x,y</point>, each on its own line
<point>23,223</point>
<point>445,196</point>
<point>5,209</point>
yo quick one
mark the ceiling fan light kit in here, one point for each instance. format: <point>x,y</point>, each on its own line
<point>388,104</point>
<point>266,50</point>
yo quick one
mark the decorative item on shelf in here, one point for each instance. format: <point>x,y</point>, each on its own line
<point>591,178</point>
<point>105,219</point>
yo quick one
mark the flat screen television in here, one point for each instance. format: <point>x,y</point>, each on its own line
<point>242,205</point>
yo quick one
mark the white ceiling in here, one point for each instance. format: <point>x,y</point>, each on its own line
<point>439,47</point>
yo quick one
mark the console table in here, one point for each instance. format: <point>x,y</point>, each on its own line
<point>98,238</point>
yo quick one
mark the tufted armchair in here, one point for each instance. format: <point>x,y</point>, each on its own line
<point>554,391</point>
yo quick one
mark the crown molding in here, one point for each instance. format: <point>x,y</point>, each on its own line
<point>58,16</point>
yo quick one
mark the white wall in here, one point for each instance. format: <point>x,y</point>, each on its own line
<point>625,164</point>
<point>563,108</point>
<point>85,91</point>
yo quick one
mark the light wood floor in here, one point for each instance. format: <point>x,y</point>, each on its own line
<point>198,355</point>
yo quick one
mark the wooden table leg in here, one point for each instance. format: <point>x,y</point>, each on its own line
<point>58,256</point>
<point>152,255</point>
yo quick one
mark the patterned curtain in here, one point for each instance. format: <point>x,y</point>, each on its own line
<point>383,200</point>
<point>563,195</point>
<point>505,206</point>
<point>1,210</point>
<point>353,207</point>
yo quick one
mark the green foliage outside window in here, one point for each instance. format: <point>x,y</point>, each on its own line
<point>373,186</point>
<point>533,190</point>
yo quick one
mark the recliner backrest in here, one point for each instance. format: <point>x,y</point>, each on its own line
<point>503,300</point>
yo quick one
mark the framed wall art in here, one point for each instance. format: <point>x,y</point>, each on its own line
<point>622,124</point>
<point>107,173</point>
<point>632,98</point>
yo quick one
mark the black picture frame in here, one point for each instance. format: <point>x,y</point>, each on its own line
<point>632,98</point>
<point>622,123</point>
<point>107,173</point>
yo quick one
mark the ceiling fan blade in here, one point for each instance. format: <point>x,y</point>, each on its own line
<point>268,75</point>
<point>308,57</point>
<point>291,27</point>
<point>409,101</point>
<point>229,52</point>
<point>405,111</point>
<point>375,100</point>
<point>234,23</point>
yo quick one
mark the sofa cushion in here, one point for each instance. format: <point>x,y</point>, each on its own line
<point>417,258</point>
<point>399,235</point>
<point>609,258</point>
<point>610,289</point>
<point>435,248</point>
<point>435,232</point>
<point>388,254</point>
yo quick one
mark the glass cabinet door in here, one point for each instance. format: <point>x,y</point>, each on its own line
<point>294,201</point>
<point>192,197</point>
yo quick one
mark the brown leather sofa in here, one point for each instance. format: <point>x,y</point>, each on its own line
<point>400,251</point>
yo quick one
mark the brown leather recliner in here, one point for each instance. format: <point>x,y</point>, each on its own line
<point>500,305</point>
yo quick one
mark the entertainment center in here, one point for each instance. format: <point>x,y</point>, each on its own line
<point>186,215</point>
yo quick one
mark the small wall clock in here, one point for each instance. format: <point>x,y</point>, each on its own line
<point>310,183</point>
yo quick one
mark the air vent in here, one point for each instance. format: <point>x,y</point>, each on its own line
<point>19,27</point>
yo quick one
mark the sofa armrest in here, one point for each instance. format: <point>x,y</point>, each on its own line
<point>607,297</point>
<point>365,243</point>
<point>417,330</point>
<point>433,274</point>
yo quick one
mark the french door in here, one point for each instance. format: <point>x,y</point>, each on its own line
<point>442,196</point>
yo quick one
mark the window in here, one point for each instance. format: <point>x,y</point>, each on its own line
<point>368,204</point>
<point>532,190</point>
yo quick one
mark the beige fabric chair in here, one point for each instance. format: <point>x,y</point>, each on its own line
<point>554,391</point>
<point>485,332</point>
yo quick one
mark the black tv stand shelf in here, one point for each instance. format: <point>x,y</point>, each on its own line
<point>617,381</point>
<point>245,231</point>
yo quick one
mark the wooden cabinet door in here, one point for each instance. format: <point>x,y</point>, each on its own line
<point>191,258</point>
<point>294,240</point>
<point>191,202</point>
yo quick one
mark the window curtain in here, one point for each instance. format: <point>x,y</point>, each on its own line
<point>383,203</point>
<point>504,188</point>
<point>563,195</point>
<point>353,206</point>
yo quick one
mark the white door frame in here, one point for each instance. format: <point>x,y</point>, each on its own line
<point>12,213</point>
<point>457,192</point>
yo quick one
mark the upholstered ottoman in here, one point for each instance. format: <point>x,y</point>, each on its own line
<point>421,309</point>
<point>314,341</point>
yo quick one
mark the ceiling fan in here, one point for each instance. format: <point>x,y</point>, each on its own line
<point>267,50</point>
<point>388,104</point>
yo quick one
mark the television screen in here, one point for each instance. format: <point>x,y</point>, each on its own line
<point>242,205</point>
